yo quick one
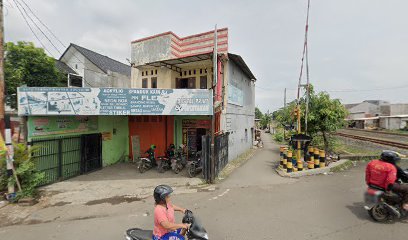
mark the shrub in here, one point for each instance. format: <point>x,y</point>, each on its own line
<point>26,171</point>
<point>278,136</point>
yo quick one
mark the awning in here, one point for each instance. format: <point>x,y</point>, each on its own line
<point>173,64</point>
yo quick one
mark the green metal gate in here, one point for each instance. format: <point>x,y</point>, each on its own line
<point>59,158</point>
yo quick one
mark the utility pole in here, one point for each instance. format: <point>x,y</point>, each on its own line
<point>2,88</point>
<point>284,106</point>
<point>215,80</point>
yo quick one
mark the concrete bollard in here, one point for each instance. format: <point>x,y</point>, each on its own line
<point>289,165</point>
<point>322,158</point>
<point>310,163</point>
<point>316,158</point>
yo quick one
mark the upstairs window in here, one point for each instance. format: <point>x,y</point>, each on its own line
<point>144,83</point>
<point>154,82</point>
<point>203,82</point>
<point>74,81</point>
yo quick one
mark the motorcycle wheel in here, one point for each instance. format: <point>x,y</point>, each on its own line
<point>142,168</point>
<point>191,170</point>
<point>176,170</point>
<point>160,168</point>
<point>378,213</point>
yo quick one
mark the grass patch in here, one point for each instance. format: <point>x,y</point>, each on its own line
<point>234,164</point>
<point>342,167</point>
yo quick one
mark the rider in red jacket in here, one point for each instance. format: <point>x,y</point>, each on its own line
<point>383,174</point>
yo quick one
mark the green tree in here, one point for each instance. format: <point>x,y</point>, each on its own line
<point>258,113</point>
<point>265,120</point>
<point>325,116</point>
<point>27,65</point>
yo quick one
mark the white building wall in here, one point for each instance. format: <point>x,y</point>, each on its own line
<point>92,75</point>
<point>239,118</point>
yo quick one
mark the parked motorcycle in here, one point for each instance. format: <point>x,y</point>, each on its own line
<point>384,205</point>
<point>165,163</point>
<point>194,166</point>
<point>195,232</point>
<point>178,162</point>
<point>145,163</point>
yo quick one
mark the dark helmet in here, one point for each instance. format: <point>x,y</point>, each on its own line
<point>390,157</point>
<point>161,192</point>
<point>153,146</point>
<point>172,146</point>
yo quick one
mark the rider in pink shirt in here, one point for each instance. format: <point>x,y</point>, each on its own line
<point>164,221</point>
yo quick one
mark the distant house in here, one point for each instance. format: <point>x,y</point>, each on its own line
<point>86,68</point>
<point>366,109</point>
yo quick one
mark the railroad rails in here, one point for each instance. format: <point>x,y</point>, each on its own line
<point>374,140</point>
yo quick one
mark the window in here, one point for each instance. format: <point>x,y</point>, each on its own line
<point>184,83</point>
<point>151,72</point>
<point>185,73</point>
<point>155,71</point>
<point>144,83</point>
<point>203,82</point>
<point>142,74</point>
<point>76,66</point>
<point>74,81</point>
<point>194,71</point>
<point>154,82</point>
<point>147,73</point>
<point>201,71</point>
<point>206,70</point>
<point>189,72</point>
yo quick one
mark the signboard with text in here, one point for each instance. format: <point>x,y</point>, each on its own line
<point>113,101</point>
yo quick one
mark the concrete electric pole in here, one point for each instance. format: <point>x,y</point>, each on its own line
<point>2,88</point>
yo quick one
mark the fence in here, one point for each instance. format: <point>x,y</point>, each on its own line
<point>66,157</point>
<point>213,166</point>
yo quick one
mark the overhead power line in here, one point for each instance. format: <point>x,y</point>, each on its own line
<point>32,30</point>
<point>35,24</point>
<point>42,23</point>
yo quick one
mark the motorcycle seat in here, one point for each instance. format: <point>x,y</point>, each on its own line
<point>139,234</point>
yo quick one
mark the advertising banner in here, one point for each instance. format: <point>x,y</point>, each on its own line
<point>113,101</point>
<point>42,126</point>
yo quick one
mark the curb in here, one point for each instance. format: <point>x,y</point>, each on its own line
<point>234,164</point>
<point>334,167</point>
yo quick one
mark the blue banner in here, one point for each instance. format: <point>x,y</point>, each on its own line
<point>34,101</point>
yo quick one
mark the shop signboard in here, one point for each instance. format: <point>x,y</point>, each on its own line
<point>196,123</point>
<point>43,126</point>
<point>34,101</point>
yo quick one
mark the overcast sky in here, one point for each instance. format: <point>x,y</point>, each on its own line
<point>359,45</point>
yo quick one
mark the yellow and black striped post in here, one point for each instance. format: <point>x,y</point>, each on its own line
<point>299,164</point>
<point>289,165</point>
<point>281,157</point>
<point>285,159</point>
<point>322,158</point>
<point>310,163</point>
<point>316,158</point>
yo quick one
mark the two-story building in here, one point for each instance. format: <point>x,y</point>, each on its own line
<point>86,68</point>
<point>167,61</point>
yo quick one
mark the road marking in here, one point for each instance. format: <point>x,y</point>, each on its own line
<point>222,194</point>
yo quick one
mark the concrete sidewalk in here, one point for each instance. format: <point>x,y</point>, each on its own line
<point>117,181</point>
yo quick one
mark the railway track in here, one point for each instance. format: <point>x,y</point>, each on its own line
<point>378,132</point>
<point>374,140</point>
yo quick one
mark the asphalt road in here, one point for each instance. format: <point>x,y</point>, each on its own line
<point>253,203</point>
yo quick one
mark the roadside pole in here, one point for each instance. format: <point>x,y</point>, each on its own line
<point>2,88</point>
<point>214,84</point>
